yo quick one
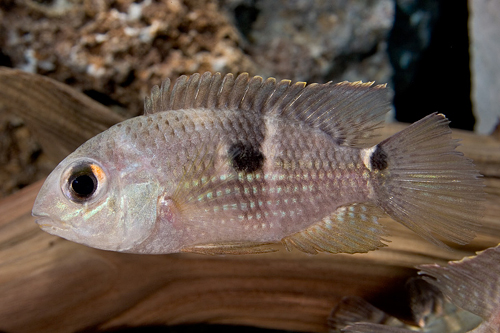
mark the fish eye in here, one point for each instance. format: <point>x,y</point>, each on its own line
<point>84,185</point>
<point>82,181</point>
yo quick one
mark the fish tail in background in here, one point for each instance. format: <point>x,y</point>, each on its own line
<point>473,284</point>
<point>425,184</point>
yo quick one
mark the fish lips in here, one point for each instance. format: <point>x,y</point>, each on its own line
<point>47,224</point>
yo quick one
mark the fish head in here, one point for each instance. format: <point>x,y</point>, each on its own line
<point>89,199</point>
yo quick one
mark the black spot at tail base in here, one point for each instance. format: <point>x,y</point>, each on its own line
<point>245,157</point>
<point>378,160</point>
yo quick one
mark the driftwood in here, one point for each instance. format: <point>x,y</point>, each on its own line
<point>61,117</point>
<point>48,284</point>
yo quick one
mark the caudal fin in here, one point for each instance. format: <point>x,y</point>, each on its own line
<point>425,184</point>
<point>473,284</point>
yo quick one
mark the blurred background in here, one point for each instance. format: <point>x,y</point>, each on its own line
<point>435,55</point>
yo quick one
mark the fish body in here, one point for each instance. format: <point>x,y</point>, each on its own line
<point>228,165</point>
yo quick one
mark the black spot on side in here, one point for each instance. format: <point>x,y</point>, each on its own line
<point>245,157</point>
<point>378,160</point>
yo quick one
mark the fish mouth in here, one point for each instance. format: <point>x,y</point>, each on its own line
<point>47,224</point>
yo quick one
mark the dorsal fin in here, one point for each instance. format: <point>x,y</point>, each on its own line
<point>347,111</point>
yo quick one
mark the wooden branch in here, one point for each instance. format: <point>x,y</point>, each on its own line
<point>61,117</point>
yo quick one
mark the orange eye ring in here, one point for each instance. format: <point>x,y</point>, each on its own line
<point>98,172</point>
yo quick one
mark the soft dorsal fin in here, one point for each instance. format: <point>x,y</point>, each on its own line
<point>347,111</point>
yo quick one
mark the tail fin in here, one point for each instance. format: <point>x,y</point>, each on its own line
<point>425,184</point>
<point>473,284</point>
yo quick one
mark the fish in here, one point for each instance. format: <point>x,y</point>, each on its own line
<point>462,296</point>
<point>225,164</point>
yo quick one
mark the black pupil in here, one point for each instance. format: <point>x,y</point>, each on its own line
<point>84,185</point>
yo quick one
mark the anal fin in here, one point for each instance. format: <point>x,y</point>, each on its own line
<point>350,229</point>
<point>230,248</point>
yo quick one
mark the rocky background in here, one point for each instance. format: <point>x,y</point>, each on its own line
<point>115,50</point>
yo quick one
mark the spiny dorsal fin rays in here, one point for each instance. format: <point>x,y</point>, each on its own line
<point>224,92</point>
<point>254,85</point>
<point>202,90</point>
<point>238,93</point>
<point>213,92</point>
<point>164,94</point>
<point>345,111</point>
<point>263,94</point>
<point>178,96</point>
<point>276,99</point>
<point>151,104</point>
<point>159,98</point>
<point>192,87</point>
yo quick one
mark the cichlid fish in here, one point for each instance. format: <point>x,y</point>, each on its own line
<point>227,165</point>
<point>472,289</point>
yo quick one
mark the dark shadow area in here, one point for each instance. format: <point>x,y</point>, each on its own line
<point>101,97</point>
<point>5,60</point>
<point>245,15</point>
<point>429,50</point>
